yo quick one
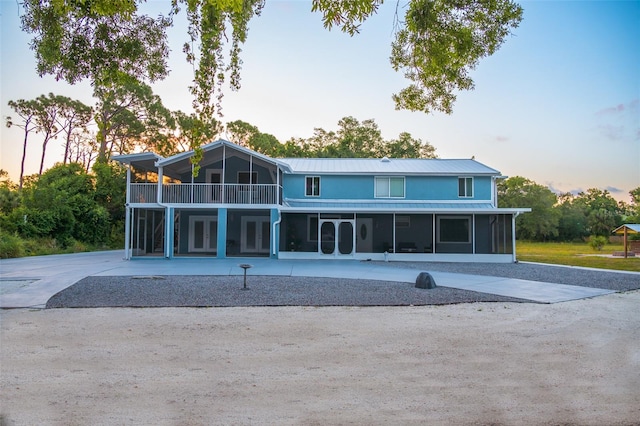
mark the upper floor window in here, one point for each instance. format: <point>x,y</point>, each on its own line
<point>312,186</point>
<point>248,177</point>
<point>465,187</point>
<point>389,187</point>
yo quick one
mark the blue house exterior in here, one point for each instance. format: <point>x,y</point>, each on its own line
<point>245,204</point>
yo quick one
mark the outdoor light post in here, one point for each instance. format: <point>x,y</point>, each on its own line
<point>245,266</point>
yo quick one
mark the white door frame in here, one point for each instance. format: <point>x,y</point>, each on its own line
<point>206,238</point>
<point>260,238</point>
<point>336,237</point>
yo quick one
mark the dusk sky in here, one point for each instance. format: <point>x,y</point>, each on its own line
<point>559,103</point>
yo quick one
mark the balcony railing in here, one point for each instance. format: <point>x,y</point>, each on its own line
<point>206,193</point>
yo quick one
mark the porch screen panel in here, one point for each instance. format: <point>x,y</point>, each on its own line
<point>328,239</point>
<point>198,234</point>
<point>345,242</point>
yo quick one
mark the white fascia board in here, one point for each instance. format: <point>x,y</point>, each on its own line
<point>308,209</point>
<point>131,158</point>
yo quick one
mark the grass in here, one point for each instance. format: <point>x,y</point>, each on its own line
<point>576,254</point>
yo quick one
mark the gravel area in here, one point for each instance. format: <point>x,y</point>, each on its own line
<point>200,291</point>
<point>594,278</point>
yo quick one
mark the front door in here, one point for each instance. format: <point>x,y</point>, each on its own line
<point>255,234</point>
<point>337,237</point>
<point>203,234</point>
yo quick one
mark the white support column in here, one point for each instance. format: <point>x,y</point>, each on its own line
<point>128,194</point>
<point>473,234</point>
<point>224,172</point>
<point>168,232</point>
<point>160,179</point>
<point>433,249</point>
<point>127,231</point>
<point>513,235</point>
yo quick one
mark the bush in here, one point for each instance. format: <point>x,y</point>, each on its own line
<point>10,246</point>
<point>596,242</point>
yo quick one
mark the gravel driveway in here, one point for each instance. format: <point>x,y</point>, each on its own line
<point>197,291</point>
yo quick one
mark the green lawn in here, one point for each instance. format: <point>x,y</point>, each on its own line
<point>576,254</point>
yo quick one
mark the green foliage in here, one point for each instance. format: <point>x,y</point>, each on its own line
<point>597,242</point>
<point>209,25</point>
<point>542,223</point>
<point>10,245</point>
<point>61,204</point>
<point>130,116</point>
<point>353,139</point>
<point>573,220</point>
<point>97,40</point>
<point>441,42</point>
<point>348,15</point>
<point>436,45</point>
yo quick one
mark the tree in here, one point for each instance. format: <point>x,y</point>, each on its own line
<point>572,225</point>
<point>83,148</point>
<point>542,223</point>
<point>61,204</point>
<point>27,111</point>
<point>98,40</point>
<point>601,210</point>
<point>407,147</point>
<point>129,114</point>
<point>355,139</point>
<point>47,110</point>
<point>635,205</point>
<point>241,132</point>
<point>435,46</point>
<point>72,114</point>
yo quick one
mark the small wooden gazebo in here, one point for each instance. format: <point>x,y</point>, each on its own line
<point>626,229</point>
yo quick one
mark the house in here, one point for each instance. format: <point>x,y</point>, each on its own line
<point>243,203</point>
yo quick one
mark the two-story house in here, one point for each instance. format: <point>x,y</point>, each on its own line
<point>243,204</point>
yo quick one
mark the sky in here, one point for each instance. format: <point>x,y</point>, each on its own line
<point>559,103</point>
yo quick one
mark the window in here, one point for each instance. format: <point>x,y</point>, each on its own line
<point>389,187</point>
<point>312,186</point>
<point>454,229</point>
<point>243,177</point>
<point>465,187</point>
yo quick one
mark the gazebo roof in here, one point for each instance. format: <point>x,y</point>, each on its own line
<point>631,228</point>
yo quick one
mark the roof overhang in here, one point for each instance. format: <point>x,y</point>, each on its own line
<point>396,207</point>
<point>630,228</point>
<point>142,161</point>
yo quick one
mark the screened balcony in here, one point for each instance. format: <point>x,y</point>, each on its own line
<point>205,193</point>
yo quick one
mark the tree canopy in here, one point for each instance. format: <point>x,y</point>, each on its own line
<point>437,42</point>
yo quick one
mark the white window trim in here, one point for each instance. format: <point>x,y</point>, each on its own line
<point>465,186</point>
<point>388,179</point>
<point>319,186</point>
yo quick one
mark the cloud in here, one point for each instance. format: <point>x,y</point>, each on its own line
<point>611,110</point>
<point>502,139</point>
<point>614,190</point>
<point>619,122</point>
<point>611,132</point>
<point>619,109</point>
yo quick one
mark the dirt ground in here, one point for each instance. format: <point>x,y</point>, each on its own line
<point>499,363</point>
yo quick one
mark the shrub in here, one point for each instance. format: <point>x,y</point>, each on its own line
<point>596,242</point>
<point>10,246</point>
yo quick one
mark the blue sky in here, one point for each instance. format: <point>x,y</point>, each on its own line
<point>559,103</point>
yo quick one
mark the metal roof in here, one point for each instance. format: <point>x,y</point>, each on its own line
<point>404,166</point>
<point>422,207</point>
<point>632,228</point>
